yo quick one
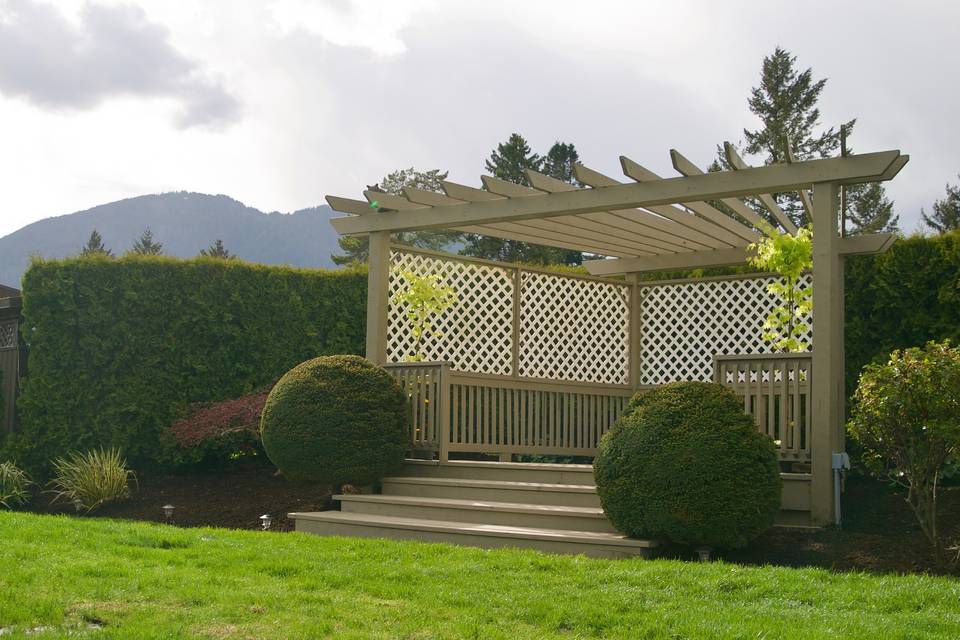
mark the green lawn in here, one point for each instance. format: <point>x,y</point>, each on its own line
<point>100,578</point>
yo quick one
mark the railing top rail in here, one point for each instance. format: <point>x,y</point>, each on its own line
<point>401,365</point>
<point>806,355</point>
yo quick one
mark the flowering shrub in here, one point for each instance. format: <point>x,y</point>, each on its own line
<point>222,430</point>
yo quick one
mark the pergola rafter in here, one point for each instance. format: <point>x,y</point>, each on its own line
<point>649,222</point>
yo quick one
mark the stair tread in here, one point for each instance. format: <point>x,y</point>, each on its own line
<point>470,528</point>
<point>494,484</point>
<point>483,505</point>
<point>490,464</point>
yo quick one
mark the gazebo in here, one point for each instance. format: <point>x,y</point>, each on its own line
<point>536,362</point>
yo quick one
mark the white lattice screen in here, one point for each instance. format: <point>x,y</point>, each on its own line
<point>574,329</point>
<point>683,325</point>
<point>476,333</point>
<point>569,328</point>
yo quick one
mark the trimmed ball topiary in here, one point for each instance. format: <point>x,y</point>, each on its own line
<point>686,463</point>
<point>335,419</point>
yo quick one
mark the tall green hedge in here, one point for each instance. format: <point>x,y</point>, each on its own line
<point>118,346</point>
<point>902,298</point>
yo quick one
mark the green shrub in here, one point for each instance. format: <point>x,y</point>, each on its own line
<point>92,478</point>
<point>119,347</point>
<point>686,463</point>
<point>13,486</point>
<point>906,416</point>
<point>335,419</point>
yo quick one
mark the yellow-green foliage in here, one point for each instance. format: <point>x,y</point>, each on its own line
<point>118,346</point>
<point>788,255</point>
<point>686,464</point>
<point>14,484</point>
<point>422,299</point>
<point>92,478</point>
<point>335,419</point>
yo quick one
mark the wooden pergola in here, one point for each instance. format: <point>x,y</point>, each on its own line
<point>646,222</point>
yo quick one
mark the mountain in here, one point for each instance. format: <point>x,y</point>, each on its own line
<point>185,223</point>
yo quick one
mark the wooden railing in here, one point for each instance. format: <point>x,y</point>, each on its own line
<point>775,389</point>
<point>459,412</point>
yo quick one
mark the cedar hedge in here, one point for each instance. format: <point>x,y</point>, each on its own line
<point>686,463</point>
<point>119,346</point>
<point>336,420</point>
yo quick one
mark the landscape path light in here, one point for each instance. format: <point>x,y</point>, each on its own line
<point>168,513</point>
<point>77,504</point>
<point>265,521</point>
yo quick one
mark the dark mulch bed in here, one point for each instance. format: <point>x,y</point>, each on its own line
<point>234,497</point>
<point>879,532</point>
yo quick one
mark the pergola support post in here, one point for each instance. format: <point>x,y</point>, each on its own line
<point>635,328</point>
<point>378,283</point>
<point>827,384</point>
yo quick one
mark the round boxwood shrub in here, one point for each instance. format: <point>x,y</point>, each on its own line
<point>335,419</point>
<point>686,463</point>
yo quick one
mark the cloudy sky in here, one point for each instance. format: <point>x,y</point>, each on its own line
<point>280,102</point>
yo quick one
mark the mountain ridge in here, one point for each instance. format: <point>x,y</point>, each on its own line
<point>184,222</point>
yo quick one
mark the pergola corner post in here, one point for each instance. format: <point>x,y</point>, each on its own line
<point>378,283</point>
<point>827,384</point>
<point>634,330</point>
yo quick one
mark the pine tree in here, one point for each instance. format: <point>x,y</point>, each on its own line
<point>95,246</point>
<point>560,161</point>
<point>357,248</point>
<point>509,162</point>
<point>217,250</point>
<point>869,210</point>
<point>146,246</point>
<point>946,212</point>
<point>786,103</point>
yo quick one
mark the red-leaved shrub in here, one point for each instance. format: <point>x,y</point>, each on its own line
<point>222,430</point>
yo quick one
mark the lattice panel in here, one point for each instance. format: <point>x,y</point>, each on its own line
<point>683,325</point>
<point>476,333</point>
<point>574,329</point>
<point>8,335</point>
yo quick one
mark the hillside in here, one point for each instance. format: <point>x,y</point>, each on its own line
<point>185,223</point>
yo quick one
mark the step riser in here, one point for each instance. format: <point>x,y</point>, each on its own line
<point>507,475</point>
<point>491,494</point>
<point>470,540</point>
<point>480,516</point>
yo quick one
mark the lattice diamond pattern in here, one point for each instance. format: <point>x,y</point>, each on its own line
<point>8,335</point>
<point>574,329</point>
<point>476,333</point>
<point>683,325</point>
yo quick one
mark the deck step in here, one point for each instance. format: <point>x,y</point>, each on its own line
<point>590,543</point>
<point>538,493</point>
<point>515,471</point>
<point>479,511</point>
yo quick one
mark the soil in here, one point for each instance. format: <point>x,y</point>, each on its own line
<point>233,496</point>
<point>879,533</point>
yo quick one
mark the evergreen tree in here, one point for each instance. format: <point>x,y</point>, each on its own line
<point>560,161</point>
<point>95,246</point>
<point>946,212</point>
<point>869,210</point>
<point>217,250</point>
<point>357,248</point>
<point>786,103</point>
<point>146,246</point>
<point>509,162</point>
